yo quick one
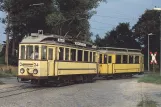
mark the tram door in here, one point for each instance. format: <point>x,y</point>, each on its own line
<point>51,58</point>
<point>110,68</point>
<point>104,64</point>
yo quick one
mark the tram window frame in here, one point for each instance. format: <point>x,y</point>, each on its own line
<point>94,56</point>
<point>73,57</point>
<point>86,56</point>
<point>29,53</point>
<point>109,59</point>
<point>38,53</point>
<point>22,55</point>
<point>43,52</point>
<point>100,58</point>
<point>105,58</point>
<point>67,50</point>
<point>61,53</point>
<point>50,54</point>
<point>80,55</point>
<point>124,59</point>
<point>91,56</point>
<point>131,60</point>
<point>137,61</point>
<point>118,60</point>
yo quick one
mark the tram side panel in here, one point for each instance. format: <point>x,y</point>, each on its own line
<point>74,68</point>
<point>120,64</point>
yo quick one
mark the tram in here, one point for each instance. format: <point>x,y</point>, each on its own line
<point>44,58</point>
<point>120,62</point>
<point>47,58</point>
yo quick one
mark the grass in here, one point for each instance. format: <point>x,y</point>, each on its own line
<point>151,78</point>
<point>7,74</point>
<point>147,103</point>
<point>4,72</point>
<point>1,83</point>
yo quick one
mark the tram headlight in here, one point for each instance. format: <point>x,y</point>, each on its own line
<point>22,70</point>
<point>35,71</point>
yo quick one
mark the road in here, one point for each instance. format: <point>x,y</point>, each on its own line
<point>102,93</point>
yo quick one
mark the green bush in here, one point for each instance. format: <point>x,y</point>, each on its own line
<point>1,59</point>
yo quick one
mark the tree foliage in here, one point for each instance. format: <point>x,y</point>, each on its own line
<point>72,17</point>
<point>121,36</point>
<point>55,16</point>
<point>148,23</point>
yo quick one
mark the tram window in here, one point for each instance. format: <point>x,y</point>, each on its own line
<point>100,58</point>
<point>50,54</point>
<point>118,59</point>
<point>94,56</point>
<point>90,56</point>
<point>136,59</point>
<point>44,52</point>
<point>131,59</point>
<point>66,53</point>
<point>86,56</point>
<point>22,52</point>
<point>29,52</point>
<point>61,53</point>
<point>105,59</point>
<point>36,56</point>
<point>109,59</point>
<point>79,55</point>
<point>73,54</point>
<point>124,59</point>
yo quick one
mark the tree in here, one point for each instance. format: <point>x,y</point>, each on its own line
<point>55,16</point>
<point>121,37</point>
<point>22,19</point>
<point>148,23</point>
<point>72,17</point>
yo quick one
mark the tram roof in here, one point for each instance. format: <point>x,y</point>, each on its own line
<point>36,38</point>
<point>118,52</point>
<point>114,50</point>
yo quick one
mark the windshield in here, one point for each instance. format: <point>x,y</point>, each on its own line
<point>32,52</point>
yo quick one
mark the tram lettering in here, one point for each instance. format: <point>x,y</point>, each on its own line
<point>80,44</point>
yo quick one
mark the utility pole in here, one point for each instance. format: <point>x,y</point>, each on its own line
<point>7,40</point>
<point>150,34</point>
<point>148,54</point>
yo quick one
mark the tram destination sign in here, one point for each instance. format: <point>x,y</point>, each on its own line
<point>61,40</point>
<point>80,44</point>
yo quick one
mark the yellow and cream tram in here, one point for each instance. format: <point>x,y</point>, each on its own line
<point>120,61</point>
<point>44,58</point>
<point>52,58</point>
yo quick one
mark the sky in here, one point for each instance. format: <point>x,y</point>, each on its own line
<point>110,14</point>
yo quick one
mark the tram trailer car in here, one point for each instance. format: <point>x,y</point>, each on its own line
<point>44,58</point>
<point>114,62</point>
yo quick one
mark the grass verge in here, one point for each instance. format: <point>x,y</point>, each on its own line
<point>151,78</point>
<point>1,83</point>
<point>8,74</point>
